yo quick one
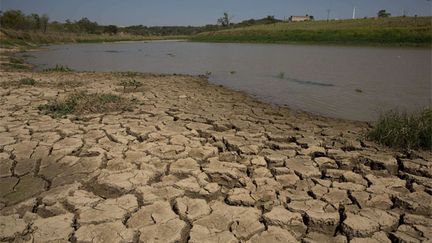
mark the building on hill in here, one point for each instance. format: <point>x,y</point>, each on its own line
<point>300,18</point>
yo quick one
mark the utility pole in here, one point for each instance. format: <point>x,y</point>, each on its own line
<point>354,13</point>
<point>328,14</point>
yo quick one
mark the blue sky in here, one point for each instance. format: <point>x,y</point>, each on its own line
<point>200,12</point>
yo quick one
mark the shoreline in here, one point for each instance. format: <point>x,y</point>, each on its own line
<point>206,162</point>
<point>371,118</point>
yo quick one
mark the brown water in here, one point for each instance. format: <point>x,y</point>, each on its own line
<point>356,83</point>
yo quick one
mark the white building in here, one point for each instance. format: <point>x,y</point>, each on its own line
<point>300,18</point>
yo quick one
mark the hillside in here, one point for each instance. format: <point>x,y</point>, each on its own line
<point>397,31</point>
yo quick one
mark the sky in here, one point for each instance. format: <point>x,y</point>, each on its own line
<point>201,12</point>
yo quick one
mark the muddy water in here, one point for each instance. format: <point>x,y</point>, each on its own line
<point>356,83</point>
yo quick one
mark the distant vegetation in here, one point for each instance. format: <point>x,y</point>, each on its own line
<point>383,14</point>
<point>18,29</point>
<point>23,38</point>
<point>400,130</point>
<point>222,23</point>
<point>395,31</point>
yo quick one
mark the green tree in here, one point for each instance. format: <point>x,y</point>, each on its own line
<point>44,20</point>
<point>270,19</point>
<point>36,21</point>
<point>14,19</point>
<point>87,26</point>
<point>225,20</point>
<point>383,14</point>
<point>111,29</point>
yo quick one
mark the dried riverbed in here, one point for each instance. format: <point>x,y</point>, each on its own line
<point>195,162</point>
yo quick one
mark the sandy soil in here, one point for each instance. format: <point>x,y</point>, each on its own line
<point>194,162</point>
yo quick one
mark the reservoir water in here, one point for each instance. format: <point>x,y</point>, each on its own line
<point>356,83</point>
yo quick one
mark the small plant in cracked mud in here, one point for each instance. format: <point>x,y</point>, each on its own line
<point>132,83</point>
<point>83,103</point>
<point>27,81</point>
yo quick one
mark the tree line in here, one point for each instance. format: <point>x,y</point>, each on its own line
<point>17,20</point>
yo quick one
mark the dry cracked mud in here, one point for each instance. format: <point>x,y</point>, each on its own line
<point>195,162</point>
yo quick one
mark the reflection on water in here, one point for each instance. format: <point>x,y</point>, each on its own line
<point>320,79</point>
<point>308,82</point>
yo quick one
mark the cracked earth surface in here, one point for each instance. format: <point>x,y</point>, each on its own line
<point>194,162</point>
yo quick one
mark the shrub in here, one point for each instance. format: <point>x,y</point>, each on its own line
<point>401,130</point>
<point>82,103</point>
<point>130,84</point>
<point>58,68</point>
<point>128,74</point>
<point>27,81</point>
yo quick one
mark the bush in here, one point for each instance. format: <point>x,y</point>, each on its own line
<point>58,68</point>
<point>130,84</point>
<point>400,130</point>
<point>82,103</point>
<point>27,81</point>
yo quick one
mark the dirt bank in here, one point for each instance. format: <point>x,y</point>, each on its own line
<point>190,161</point>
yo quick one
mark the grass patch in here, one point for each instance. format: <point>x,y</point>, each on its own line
<point>131,84</point>
<point>15,66</point>
<point>58,68</point>
<point>69,84</point>
<point>400,130</point>
<point>128,74</point>
<point>16,60</point>
<point>22,38</point>
<point>397,31</point>
<point>19,83</point>
<point>83,103</point>
<point>14,63</point>
<point>27,81</point>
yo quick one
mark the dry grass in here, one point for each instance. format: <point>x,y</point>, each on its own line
<point>400,130</point>
<point>398,31</point>
<point>19,83</point>
<point>11,37</point>
<point>131,85</point>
